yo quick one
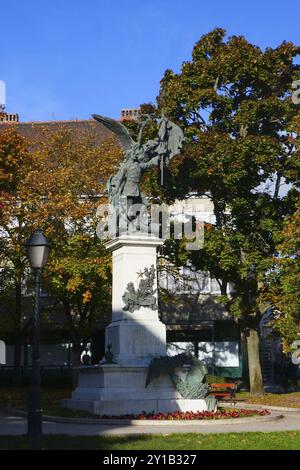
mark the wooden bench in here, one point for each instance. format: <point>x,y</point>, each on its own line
<point>224,391</point>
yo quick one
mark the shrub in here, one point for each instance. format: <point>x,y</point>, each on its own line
<point>215,379</point>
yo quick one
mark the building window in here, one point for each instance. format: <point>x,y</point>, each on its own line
<point>187,281</point>
<point>214,348</point>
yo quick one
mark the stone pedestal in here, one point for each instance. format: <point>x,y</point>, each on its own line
<point>116,390</point>
<point>139,336</point>
<point>135,338</point>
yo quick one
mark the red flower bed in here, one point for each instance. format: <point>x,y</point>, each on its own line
<point>190,415</point>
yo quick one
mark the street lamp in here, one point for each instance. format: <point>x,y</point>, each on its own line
<point>37,251</point>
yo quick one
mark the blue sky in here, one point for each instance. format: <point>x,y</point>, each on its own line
<point>65,59</point>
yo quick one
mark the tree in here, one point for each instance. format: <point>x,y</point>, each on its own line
<point>233,101</point>
<point>283,282</point>
<point>79,276</point>
<point>56,186</point>
<point>15,162</point>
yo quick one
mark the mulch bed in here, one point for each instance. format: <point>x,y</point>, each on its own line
<point>190,415</point>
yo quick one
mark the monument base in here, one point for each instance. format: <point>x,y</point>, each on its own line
<point>134,337</point>
<point>118,390</point>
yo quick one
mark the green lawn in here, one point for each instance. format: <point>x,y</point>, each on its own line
<point>289,400</point>
<point>231,441</point>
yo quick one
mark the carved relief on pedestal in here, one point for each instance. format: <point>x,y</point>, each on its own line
<point>144,295</point>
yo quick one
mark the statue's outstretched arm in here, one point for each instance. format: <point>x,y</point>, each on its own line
<point>155,161</point>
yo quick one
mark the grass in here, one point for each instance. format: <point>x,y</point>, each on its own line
<point>229,441</point>
<point>289,400</point>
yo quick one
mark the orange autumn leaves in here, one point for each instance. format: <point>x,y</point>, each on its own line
<point>61,178</point>
<point>14,159</point>
<point>57,182</point>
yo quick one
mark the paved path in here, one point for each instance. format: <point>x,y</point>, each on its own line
<point>13,425</point>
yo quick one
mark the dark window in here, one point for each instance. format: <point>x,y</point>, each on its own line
<point>226,331</point>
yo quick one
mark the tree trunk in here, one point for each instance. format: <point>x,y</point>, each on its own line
<point>255,375</point>
<point>219,209</point>
<point>19,333</point>
<point>277,186</point>
<point>76,352</point>
<point>76,355</point>
<point>17,359</point>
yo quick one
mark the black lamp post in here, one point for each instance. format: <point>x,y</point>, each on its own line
<point>37,251</point>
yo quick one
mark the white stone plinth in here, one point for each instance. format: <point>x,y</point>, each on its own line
<point>139,336</point>
<point>119,390</point>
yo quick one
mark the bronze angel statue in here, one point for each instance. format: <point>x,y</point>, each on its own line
<point>124,186</point>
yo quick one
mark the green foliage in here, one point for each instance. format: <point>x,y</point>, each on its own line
<point>233,101</point>
<point>282,286</point>
<point>79,275</point>
<point>215,379</point>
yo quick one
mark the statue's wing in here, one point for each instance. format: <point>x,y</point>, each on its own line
<point>118,129</point>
